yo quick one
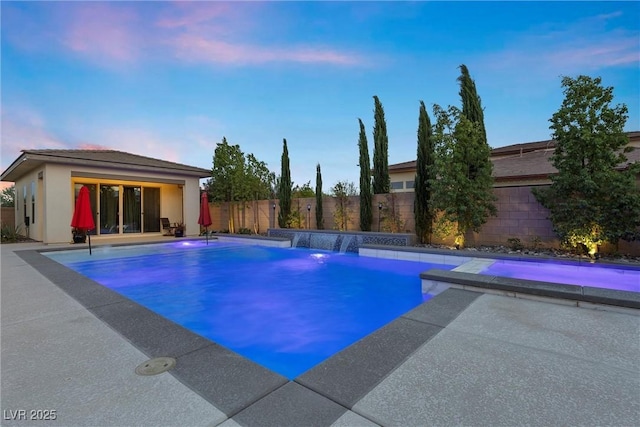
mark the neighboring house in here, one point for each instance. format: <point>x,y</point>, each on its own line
<point>129,193</point>
<point>513,166</point>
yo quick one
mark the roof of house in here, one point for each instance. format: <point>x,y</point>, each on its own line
<point>111,159</point>
<point>526,160</point>
<point>537,164</point>
<point>541,145</point>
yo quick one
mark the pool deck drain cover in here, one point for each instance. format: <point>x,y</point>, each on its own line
<point>156,366</point>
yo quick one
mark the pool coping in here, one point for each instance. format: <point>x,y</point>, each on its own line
<point>242,389</point>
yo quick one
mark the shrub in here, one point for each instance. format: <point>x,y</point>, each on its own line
<point>10,234</point>
<point>515,244</point>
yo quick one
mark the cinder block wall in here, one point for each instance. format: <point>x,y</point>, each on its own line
<point>9,217</point>
<point>519,216</point>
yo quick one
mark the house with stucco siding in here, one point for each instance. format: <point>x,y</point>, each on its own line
<point>129,193</point>
<point>525,164</point>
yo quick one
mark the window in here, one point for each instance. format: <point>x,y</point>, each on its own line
<point>398,185</point>
<point>33,202</point>
<point>24,202</point>
<point>410,185</point>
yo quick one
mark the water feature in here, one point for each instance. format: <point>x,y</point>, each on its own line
<point>323,241</point>
<point>333,240</point>
<point>346,239</point>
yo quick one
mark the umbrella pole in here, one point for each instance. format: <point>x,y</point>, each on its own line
<point>89,236</point>
<point>206,230</point>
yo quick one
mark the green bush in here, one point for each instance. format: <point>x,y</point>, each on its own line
<point>10,234</point>
<point>515,244</point>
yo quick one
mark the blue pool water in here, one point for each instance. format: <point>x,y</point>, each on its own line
<point>595,275</point>
<point>286,309</point>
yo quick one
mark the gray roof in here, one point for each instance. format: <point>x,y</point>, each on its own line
<point>527,160</point>
<point>108,159</point>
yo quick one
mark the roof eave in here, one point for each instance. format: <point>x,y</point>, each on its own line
<point>29,161</point>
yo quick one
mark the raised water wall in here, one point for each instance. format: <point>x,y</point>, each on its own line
<point>340,241</point>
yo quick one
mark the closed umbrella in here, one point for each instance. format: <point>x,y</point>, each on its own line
<point>205,217</point>
<point>82,215</point>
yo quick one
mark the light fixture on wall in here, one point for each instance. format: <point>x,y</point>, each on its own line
<point>273,223</point>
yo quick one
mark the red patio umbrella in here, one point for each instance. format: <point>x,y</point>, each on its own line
<point>205,217</point>
<point>82,215</point>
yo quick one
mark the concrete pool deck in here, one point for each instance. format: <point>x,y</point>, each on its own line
<point>462,358</point>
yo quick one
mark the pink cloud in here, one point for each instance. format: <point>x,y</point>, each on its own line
<point>113,34</point>
<point>196,48</point>
<point>103,32</point>
<point>23,130</point>
<point>586,45</point>
<point>90,146</point>
<point>188,14</point>
<point>607,53</point>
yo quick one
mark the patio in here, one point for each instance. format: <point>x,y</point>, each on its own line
<point>463,358</point>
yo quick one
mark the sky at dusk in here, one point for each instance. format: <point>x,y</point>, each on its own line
<point>169,80</point>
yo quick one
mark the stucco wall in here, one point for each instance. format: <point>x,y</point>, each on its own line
<point>404,178</point>
<point>29,182</point>
<point>54,198</point>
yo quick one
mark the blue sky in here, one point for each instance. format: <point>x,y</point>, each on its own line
<point>170,79</point>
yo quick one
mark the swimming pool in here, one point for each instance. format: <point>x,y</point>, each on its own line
<point>595,275</point>
<point>286,309</point>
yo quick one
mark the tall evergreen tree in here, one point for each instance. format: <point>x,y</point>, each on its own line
<point>464,200</point>
<point>471,103</point>
<point>284,189</point>
<point>589,200</point>
<point>381,181</point>
<point>425,175</point>
<point>472,110</point>
<point>366,215</point>
<point>319,217</point>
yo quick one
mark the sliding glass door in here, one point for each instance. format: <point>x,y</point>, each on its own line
<point>132,207</point>
<point>151,210</point>
<point>109,209</point>
<point>119,209</point>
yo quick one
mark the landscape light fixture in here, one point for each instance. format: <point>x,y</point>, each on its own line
<point>379,212</point>
<point>309,216</point>
<point>273,206</point>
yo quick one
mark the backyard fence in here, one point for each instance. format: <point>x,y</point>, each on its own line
<point>519,216</point>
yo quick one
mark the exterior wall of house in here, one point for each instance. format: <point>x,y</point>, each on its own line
<point>402,182</point>
<point>50,189</point>
<point>28,203</point>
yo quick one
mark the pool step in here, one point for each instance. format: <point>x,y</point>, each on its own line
<point>476,265</point>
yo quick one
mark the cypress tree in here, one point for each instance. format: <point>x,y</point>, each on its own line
<point>472,110</point>
<point>425,175</point>
<point>366,215</point>
<point>319,218</point>
<point>381,181</point>
<point>464,202</point>
<point>284,189</point>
